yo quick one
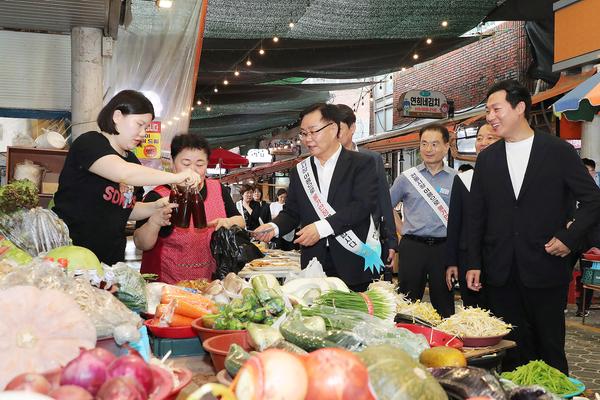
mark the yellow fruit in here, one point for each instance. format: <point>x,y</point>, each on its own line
<point>442,357</point>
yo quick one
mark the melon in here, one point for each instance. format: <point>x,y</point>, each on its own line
<point>40,330</point>
<point>77,258</point>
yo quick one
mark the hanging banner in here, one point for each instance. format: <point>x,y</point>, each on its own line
<point>423,104</point>
<point>150,147</point>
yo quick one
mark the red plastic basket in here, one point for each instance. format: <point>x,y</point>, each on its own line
<point>177,332</point>
<point>435,337</point>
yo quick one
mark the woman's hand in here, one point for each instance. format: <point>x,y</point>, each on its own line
<point>161,217</point>
<point>221,223</point>
<point>188,177</point>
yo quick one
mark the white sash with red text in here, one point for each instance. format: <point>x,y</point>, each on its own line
<point>429,194</point>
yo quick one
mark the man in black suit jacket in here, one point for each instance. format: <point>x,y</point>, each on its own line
<point>384,215</point>
<point>520,228</point>
<point>346,178</point>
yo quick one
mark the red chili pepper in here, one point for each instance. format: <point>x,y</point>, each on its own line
<point>63,262</point>
<point>49,259</point>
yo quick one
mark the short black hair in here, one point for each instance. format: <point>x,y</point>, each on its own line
<point>246,188</point>
<point>126,101</point>
<point>329,112</point>
<point>465,167</point>
<point>347,114</point>
<point>281,191</point>
<point>189,141</point>
<point>588,162</point>
<point>436,127</point>
<point>515,93</point>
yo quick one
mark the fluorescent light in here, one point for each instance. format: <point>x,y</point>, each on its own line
<point>164,3</point>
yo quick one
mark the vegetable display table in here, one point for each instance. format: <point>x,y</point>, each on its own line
<point>488,357</point>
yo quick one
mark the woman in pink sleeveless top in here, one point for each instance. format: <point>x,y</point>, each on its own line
<point>174,253</point>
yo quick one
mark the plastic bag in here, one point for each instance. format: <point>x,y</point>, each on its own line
<point>232,249</point>
<point>365,330</point>
<point>105,310</point>
<point>35,231</point>
<point>132,286</point>
<point>314,269</point>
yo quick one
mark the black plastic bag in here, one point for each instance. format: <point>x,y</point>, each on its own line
<point>232,249</point>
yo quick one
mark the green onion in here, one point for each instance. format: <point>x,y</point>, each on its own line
<point>376,302</point>
<point>539,373</point>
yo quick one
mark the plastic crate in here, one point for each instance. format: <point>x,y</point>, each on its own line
<point>591,277</point>
<point>178,347</point>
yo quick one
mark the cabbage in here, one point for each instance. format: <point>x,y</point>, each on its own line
<point>78,258</point>
<point>394,375</point>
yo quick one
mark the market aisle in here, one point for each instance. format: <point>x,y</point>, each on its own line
<point>582,346</point>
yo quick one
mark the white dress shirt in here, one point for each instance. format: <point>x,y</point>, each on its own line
<point>517,158</point>
<point>324,175</point>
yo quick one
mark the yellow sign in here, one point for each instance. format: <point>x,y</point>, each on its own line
<point>150,147</point>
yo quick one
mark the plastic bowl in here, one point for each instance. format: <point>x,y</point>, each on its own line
<point>485,341</point>
<point>162,384</point>
<point>434,337</point>
<point>207,333</point>
<point>177,332</point>
<point>185,377</point>
<point>218,347</point>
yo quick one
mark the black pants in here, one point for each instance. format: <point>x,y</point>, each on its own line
<point>470,298</point>
<point>538,319</point>
<point>329,269</point>
<point>420,263</point>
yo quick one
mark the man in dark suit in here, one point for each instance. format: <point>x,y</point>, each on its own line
<point>344,181</point>
<point>384,216</point>
<point>521,201</point>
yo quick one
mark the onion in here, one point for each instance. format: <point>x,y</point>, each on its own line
<point>70,392</point>
<point>30,382</point>
<point>53,377</point>
<point>121,388</point>
<point>272,374</point>
<point>134,367</point>
<point>336,374</point>
<point>104,355</point>
<point>86,371</point>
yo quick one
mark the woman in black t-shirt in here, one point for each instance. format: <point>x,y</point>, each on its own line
<point>101,180</point>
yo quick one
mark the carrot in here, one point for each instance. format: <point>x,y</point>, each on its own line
<point>190,309</point>
<point>166,298</point>
<point>180,320</point>
<point>160,310</point>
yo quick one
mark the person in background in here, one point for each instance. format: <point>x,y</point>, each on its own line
<point>384,217</point>
<point>457,257</point>
<point>173,253</point>
<point>592,240</point>
<point>464,168</point>
<point>101,168</point>
<point>285,242</point>
<point>425,192</point>
<point>522,197</point>
<point>332,195</point>
<point>264,215</point>
<point>248,207</point>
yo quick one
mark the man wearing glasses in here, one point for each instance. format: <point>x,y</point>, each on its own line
<point>332,195</point>
<point>424,191</point>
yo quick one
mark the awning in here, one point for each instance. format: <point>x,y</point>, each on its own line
<point>581,103</point>
<point>262,170</point>
<point>564,84</point>
<point>226,159</point>
<point>405,141</point>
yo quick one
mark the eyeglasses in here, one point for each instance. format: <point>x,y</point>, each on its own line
<point>305,134</point>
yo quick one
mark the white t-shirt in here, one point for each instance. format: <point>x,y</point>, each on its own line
<point>275,208</point>
<point>517,157</point>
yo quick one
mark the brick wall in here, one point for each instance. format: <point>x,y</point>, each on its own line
<point>464,75</point>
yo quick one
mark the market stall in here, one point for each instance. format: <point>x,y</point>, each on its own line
<point>73,328</point>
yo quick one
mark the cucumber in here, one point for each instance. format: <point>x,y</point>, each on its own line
<point>294,331</point>
<point>236,357</point>
<point>287,346</point>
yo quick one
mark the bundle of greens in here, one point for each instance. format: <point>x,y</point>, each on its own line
<point>539,373</point>
<point>18,195</point>
<point>376,301</point>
